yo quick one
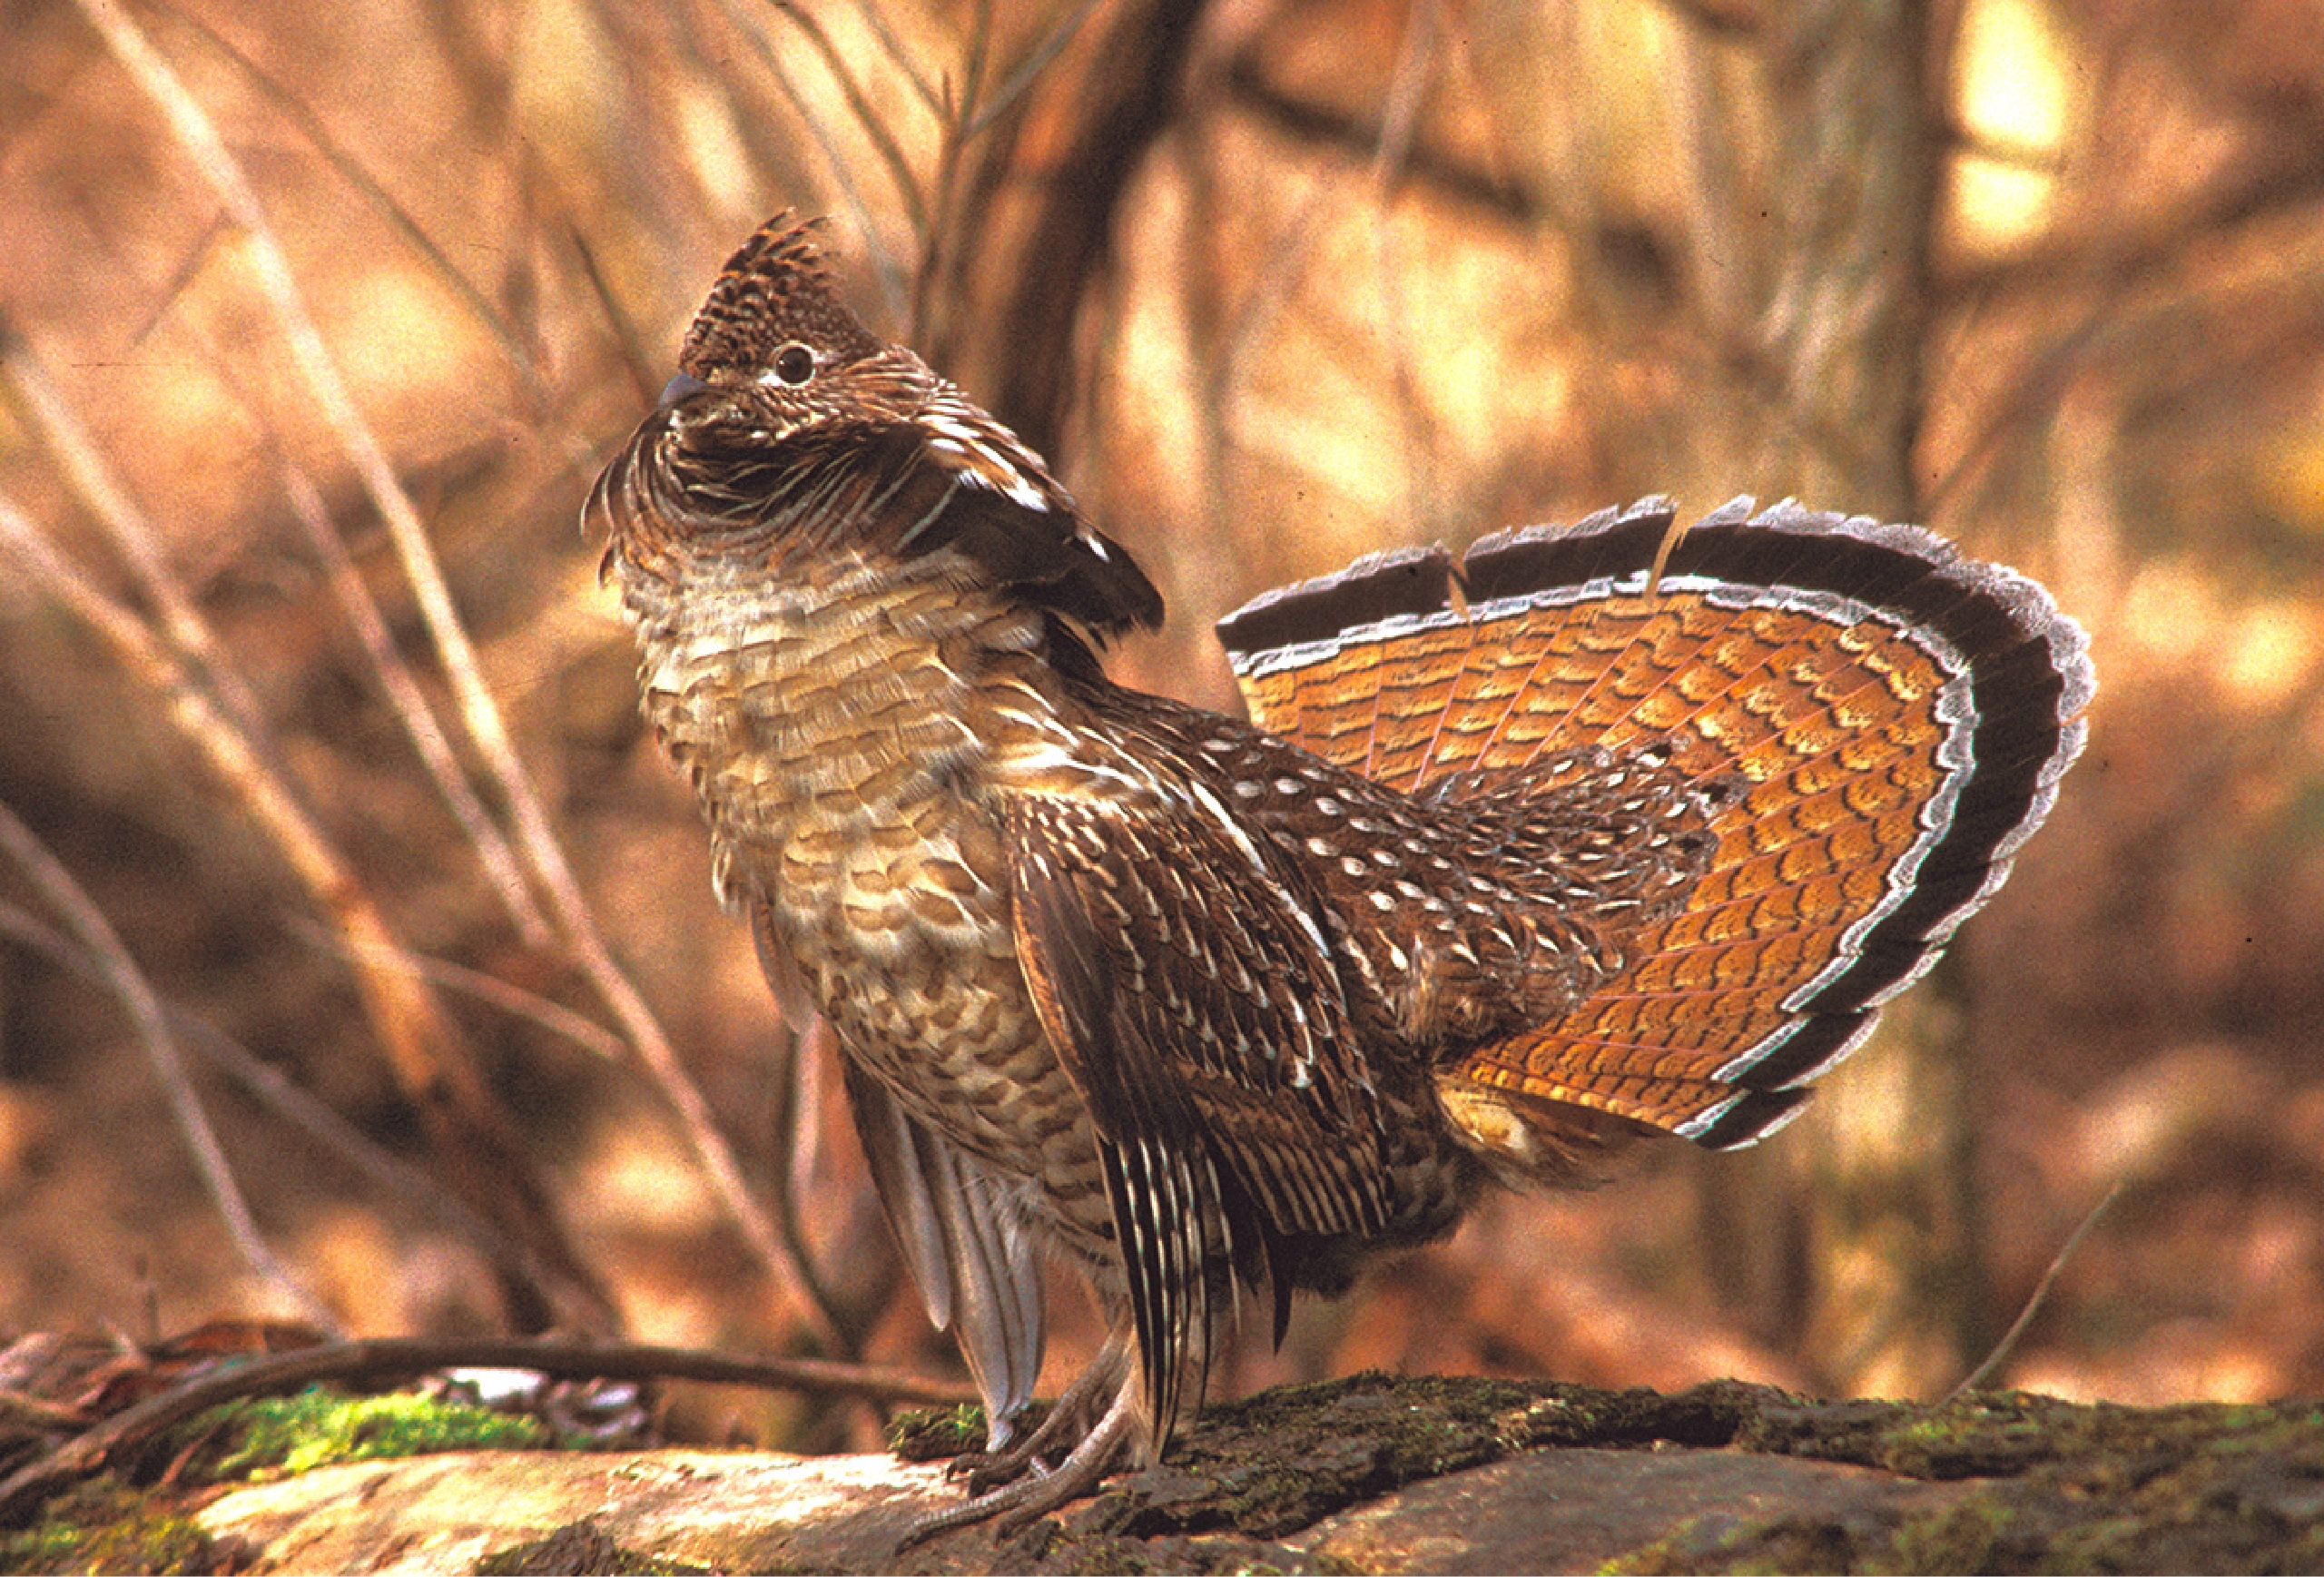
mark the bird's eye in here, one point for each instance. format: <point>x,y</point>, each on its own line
<point>794,364</point>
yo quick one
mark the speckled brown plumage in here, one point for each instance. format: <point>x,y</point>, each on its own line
<point>1520,857</point>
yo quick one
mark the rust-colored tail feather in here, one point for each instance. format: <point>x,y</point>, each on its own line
<point>1898,717</point>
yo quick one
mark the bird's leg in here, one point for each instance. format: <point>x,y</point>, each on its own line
<point>1094,1423</point>
<point>1041,1490</point>
<point>1078,1412</point>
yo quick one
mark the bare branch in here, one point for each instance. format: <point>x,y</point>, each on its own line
<point>519,356</point>
<point>979,117</point>
<point>409,702</point>
<point>868,116</point>
<point>332,1133</point>
<point>389,1357</point>
<point>893,48</point>
<point>562,1021</point>
<point>410,1023</point>
<point>271,269</point>
<point>120,973</point>
<point>2007,1345</point>
<point>125,526</point>
<point>1399,129</point>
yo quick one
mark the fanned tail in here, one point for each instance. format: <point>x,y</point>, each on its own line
<point>1897,717</point>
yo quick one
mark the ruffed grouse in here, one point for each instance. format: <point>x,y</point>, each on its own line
<point>1491,880</point>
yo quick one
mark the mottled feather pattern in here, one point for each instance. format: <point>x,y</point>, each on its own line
<point>1890,720</point>
<point>1523,855</point>
<point>1491,901</point>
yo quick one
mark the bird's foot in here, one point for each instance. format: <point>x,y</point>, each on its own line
<point>1079,1410</point>
<point>1029,1487</point>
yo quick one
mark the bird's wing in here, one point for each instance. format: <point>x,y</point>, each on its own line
<point>1002,508</point>
<point>1193,998</point>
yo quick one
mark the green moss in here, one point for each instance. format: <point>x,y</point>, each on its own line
<point>285,1435</point>
<point>2033,1484</point>
<point>935,1433</point>
<point>1966,1537</point>
<point>105,1526</point>
<point>2044,1486</point>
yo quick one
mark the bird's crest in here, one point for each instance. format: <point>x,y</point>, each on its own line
<point>776,290</point>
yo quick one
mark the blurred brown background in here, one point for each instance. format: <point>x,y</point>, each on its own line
<point>310,311</point>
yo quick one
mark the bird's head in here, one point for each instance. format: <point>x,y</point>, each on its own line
<point>775,354</point>
<point>792,434</point>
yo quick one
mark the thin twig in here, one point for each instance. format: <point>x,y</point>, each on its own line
<point>491,989</point>
<point>1399,128</point>
<point>386,1357</point>
<point>78,910</point>
<point>893,48</point>
<point>634,359</point>
<point>409,702</point>
<point>2010,1337</point>
<point>335,403</point>
<point>1280,275</point>
<point>409,1021</point>
<point>800,1128</point>
<point>126,526</point>
<point>711,1150</point>
<point>1021,77</point>
<point>827,141</point>
<point>859,103</point>
<point>333,1134</point>
<point>520,357</point>
<point>946,216</point>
